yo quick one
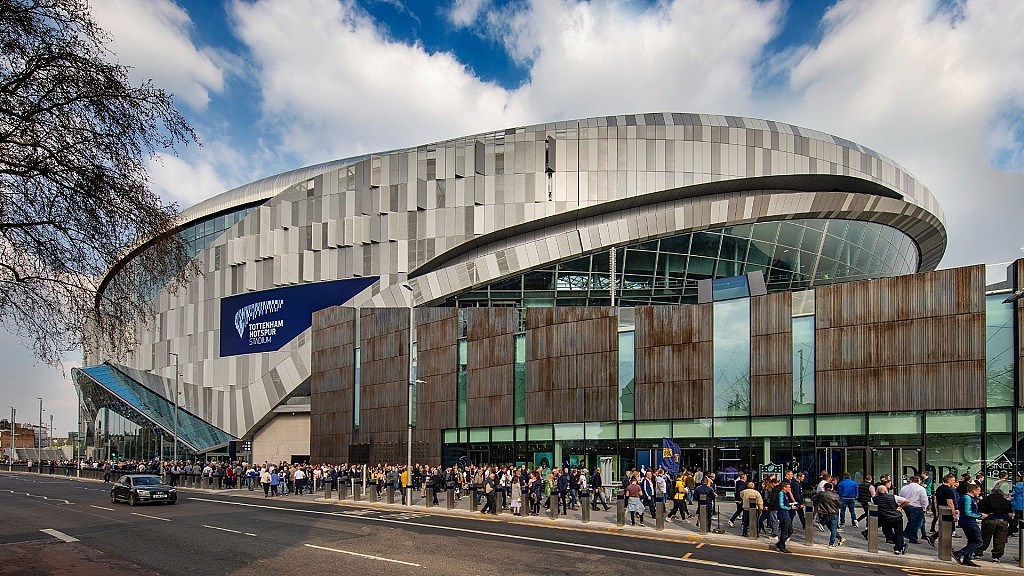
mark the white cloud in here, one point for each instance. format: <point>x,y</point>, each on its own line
<point>154,38</point>
<point>937,92</point>
<point>185,182</point>
<point>465,12</point>
<point>333,85</point>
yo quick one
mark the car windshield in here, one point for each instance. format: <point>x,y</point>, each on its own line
<point>146,481</point>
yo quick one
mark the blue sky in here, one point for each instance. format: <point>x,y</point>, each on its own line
<point>272,85</point>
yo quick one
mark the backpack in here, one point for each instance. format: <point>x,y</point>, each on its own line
<point>773,498</point>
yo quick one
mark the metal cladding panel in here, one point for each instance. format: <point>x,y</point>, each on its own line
<point>384,374</point>
<point>905,343</point>
<point>437,332</point>
<point>571,364</point>
<point>771,358</point>
<point>674,362</point>
<point>332,384</point>
<point>490,366</point>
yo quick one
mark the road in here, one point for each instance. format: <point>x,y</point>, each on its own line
<point>233,533</point>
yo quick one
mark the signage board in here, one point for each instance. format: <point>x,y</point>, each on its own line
<point>267,320</point>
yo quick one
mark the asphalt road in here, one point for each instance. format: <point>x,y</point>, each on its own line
<point>233,533</point>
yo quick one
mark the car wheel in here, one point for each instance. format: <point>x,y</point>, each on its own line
<point>132,500</point>
<point>113,499</point>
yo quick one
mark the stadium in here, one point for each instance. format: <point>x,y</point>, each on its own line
<point>574,291</point>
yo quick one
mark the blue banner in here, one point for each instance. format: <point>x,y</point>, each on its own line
<point>670,456</point>
<point>265,321</point>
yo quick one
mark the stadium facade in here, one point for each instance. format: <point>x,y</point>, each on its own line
<point>575,290</point>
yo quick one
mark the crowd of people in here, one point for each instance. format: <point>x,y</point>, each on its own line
<point>985,519</point>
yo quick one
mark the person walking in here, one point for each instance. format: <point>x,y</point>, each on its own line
<point>890,517</point>
<point>865,492</point>
<point>595,485</point>
<point>739,486</point>
<point>917,503</point>
<point>945,495</point>
<point>750,491</point>
<point>1017,503</point>
<point>828,504</point>
<point>516,504</point>
<point>847,490</point>
<point>649,492</point>
<point>996,514</point>
<point>634,502</point>
<point>969,516</point>
<point>490,496</point>
<point>679,499</point>
<point>786,506</point>
<point>709,494</point>
<point>562,486</point>
<point>265,481</point>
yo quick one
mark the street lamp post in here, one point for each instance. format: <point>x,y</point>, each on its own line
<point>175,408</point>
<point>39,437</point>
<point>13,413</point>
<point>408,453</point>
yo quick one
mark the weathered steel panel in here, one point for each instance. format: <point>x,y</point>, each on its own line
<point>674,362</point>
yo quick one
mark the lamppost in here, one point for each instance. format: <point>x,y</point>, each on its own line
<point>175,408</point>
<point>13,413</point>
<point>408,453</point>
<point>39,437</point>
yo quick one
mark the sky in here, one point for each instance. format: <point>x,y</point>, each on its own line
<point>272,85</point>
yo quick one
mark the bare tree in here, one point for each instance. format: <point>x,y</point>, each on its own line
<point>75,136</point>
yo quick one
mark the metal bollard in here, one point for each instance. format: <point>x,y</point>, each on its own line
<point>450,502</point>
<point>620,509</point>
<point>872,528</point>
<point>356,493</point>
<point>703,513</point>
<point>752,516</point>
<point>585,507</point>
<point>474,504</point>
<point>553,505</point>
<point>659,507</point>
<point>428,501</point>
<point>374,493</point>
<point>408,495</point>
<point>342,489</point>
<point>809,523</point>
<point>391,493</point>
<point>945,544</point>
<point>327,490</point>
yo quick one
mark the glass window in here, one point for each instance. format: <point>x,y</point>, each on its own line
<point>540,432</point>
<point>451,436</point>
<point>803,426</point>
<point>600,430</point>
<point>952,421</point>
<point>768,427</point>
<point>503,434</point>
<point>998,421</point>
<point>479,434</point>
<point>654,429</point>
<point>700,428</point>
<point>732,357</point>
<point>568,431</point>
<point>519,385</point>
<point>627,375</point>
<point>840,424</point>
<point>803,364</point>
<point>998,351</point>
<point>732,427</point>
<point>626,431</point>
<point>462,383</point>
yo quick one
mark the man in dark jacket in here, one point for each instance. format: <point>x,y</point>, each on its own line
<point>827,504</point>
<point>890,517</point>
<point>595,485</point>
<point>997,515</point>
<point>562,487</point>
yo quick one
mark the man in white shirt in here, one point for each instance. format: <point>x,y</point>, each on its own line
<point>300,480</point>
<point>917,503</point>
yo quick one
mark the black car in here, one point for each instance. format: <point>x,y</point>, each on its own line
<point>142,489</point>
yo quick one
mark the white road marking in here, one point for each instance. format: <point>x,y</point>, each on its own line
<point>59,535</point>
<point>34,496</point>
<point>248,534</point>
<point>101,507</point>
<point>361,555</point>
<point>751,569</point>
<point>224,529</point>
<point>148,516</point>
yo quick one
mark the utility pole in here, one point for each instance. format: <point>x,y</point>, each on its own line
<point>175,408</point>
<point>39,437</point>
<point>13,414</point>
<point>49,439</point>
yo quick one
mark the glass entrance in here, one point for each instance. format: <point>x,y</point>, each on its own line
<point>900,463</point>
<point>691,458</point>
<point>837,461</point>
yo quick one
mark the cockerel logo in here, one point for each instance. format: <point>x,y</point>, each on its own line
<point>255,310</point>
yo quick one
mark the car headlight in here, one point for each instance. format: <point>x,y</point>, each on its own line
<point>173,490</point>
<point>143,492</point>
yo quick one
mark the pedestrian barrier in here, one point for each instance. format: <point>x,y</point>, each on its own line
<point>585,507</point>
<point>356,493</point>
<point>703,513</point>
<point>343,488</point>
<point>752,514</point>
<point>391,493</point>
<point>553,505</point>
<point>945,543</point>
<point>620,509</point>
<point>872,529</point>
<point>474,503</point>
<point>428,501</point>
<point>659,508</point>
<point>808,523</point>
<point>450,497</point>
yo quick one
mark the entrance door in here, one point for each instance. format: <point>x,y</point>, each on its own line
<point>480,457</point>
<point>838,461</point>
<point>693,458</point>
<point>900,463</point>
